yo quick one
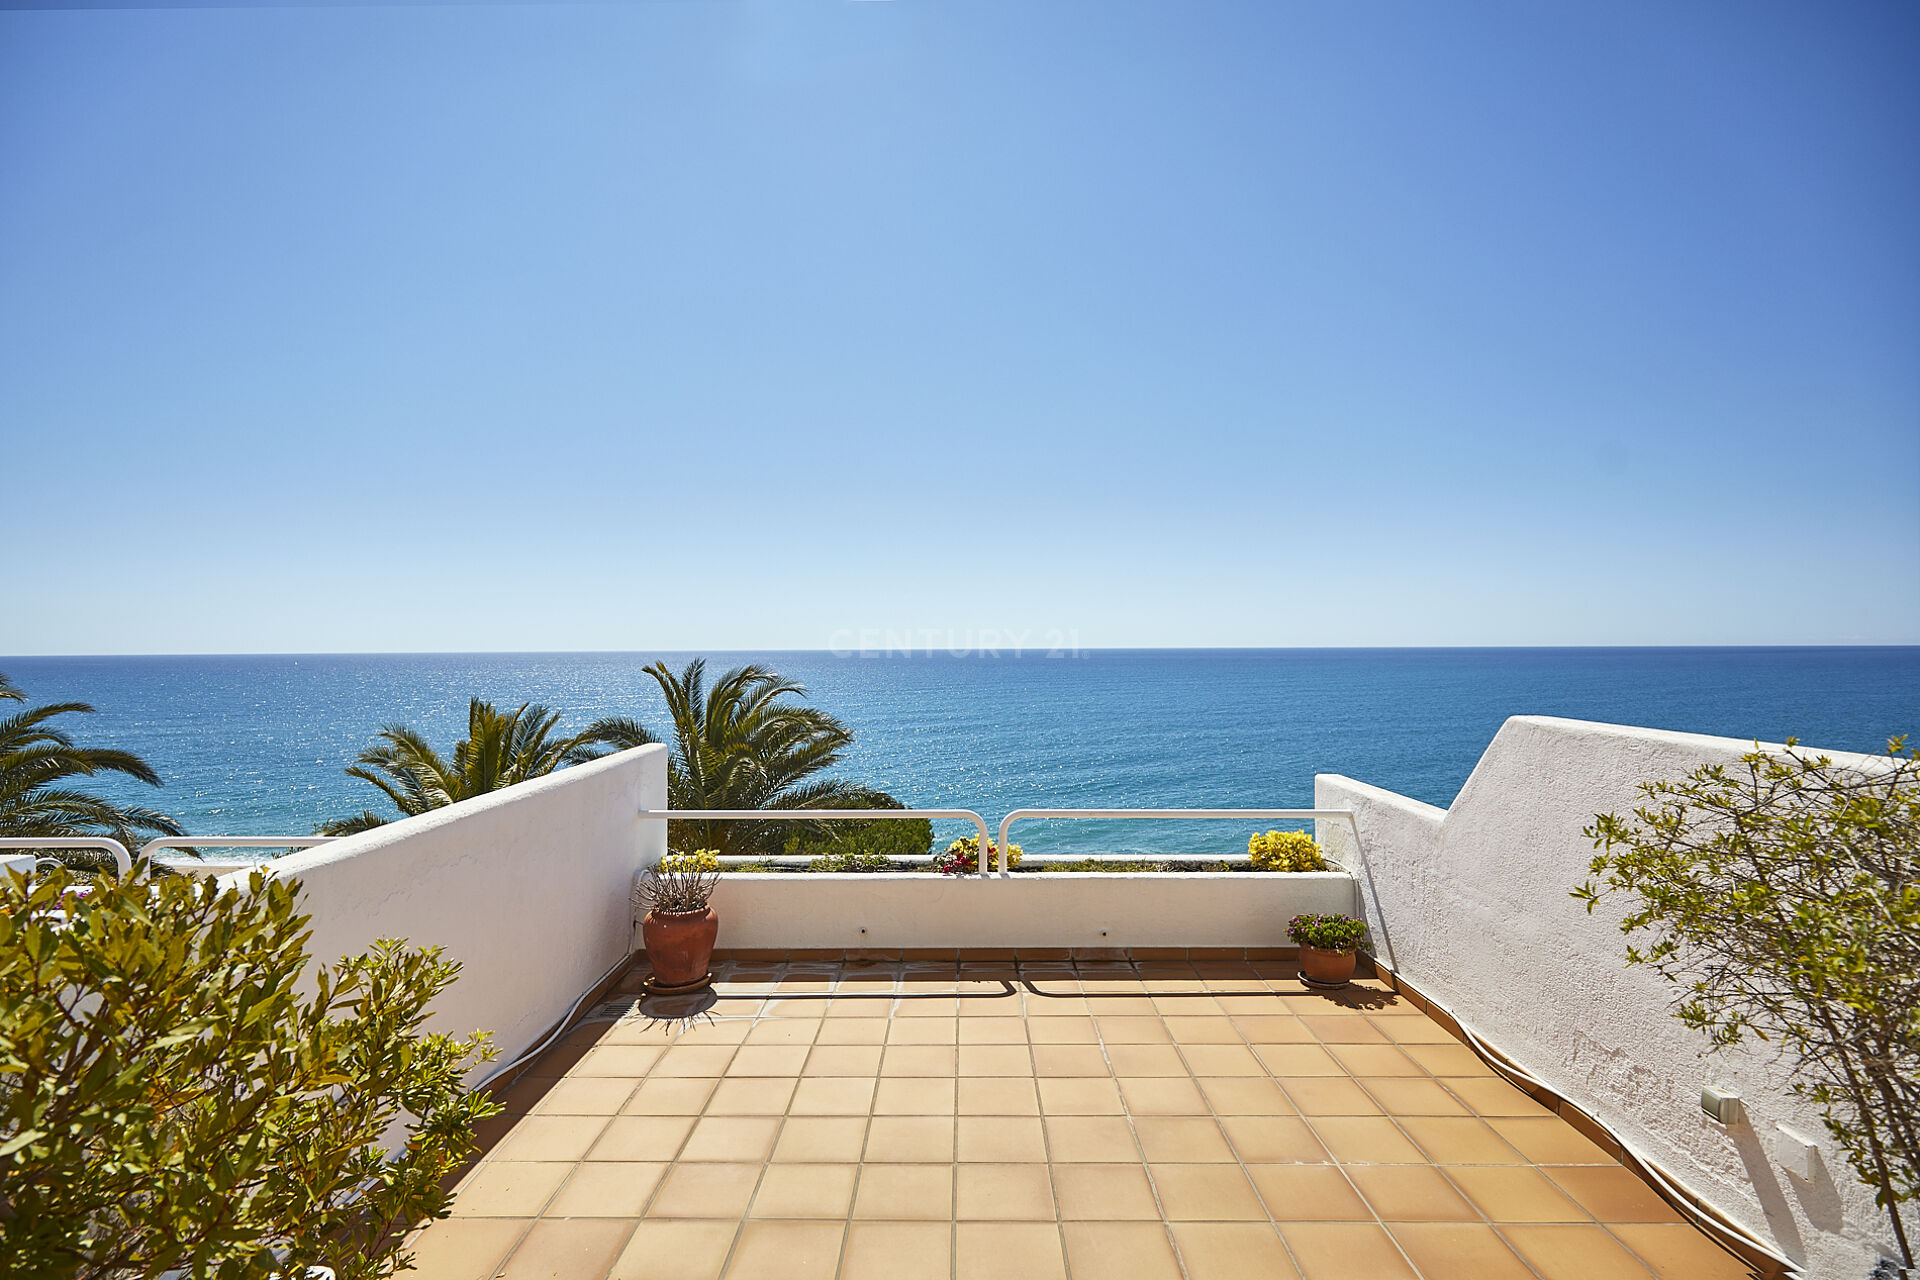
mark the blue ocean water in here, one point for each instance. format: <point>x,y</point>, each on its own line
<point>256,745</point>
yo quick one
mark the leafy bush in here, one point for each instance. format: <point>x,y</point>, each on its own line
<point>1285,851</point>
<point>679,883</point>
<point>1328,933</point>
<point>169,1102</point>
<point>887,838</point>
<point>1118,866</point>
<point>962,857</point>
<point>851,861</point>
<point>1782,899</point>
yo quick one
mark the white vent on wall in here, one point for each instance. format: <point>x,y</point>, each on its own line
<point>1798,1154</point>
<point>1721,1105</point>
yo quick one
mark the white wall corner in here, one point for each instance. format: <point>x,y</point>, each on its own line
<point>1473,905</point>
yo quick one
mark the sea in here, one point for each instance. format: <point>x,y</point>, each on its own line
<point>258,744</point>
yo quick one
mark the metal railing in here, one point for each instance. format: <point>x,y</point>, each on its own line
<point>118,850</point>
<point>148,849</point>
<point>125,860</point>
<point>832,815</point>
<point>235,842</point>
<point>1006,823</point>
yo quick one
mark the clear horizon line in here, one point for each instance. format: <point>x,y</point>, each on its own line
<point>1007,652</point>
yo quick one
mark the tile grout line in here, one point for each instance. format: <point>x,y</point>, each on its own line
<point>764,1013</point>
<point>1436,1165</point>
<point>1340,1164</point>
<point>740,1229</point>
<point>866,1136</point>
<point>1046,1134</point>
<point>1146,1167</point>
<point>1273,1222</point>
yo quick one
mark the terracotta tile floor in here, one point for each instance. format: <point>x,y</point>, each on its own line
<point>1108,1121</point>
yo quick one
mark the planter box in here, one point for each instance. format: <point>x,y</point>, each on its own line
<point>1058,909</point>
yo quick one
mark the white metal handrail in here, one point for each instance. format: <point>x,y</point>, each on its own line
<point>1006,823</point>
<point>234,842</point>
<point>125,860</point>
<point>118,850</point>
<point>833,815</point>
<point>161,845</point>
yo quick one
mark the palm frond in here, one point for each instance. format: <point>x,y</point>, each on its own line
<point>39,761</point>
<point>365,820</point>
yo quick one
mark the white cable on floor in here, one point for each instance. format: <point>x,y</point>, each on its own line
<point>565,1022</point>
<point>1675,1193</point>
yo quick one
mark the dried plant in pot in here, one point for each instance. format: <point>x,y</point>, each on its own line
<point>1329,946</point>
<point>679,927</point>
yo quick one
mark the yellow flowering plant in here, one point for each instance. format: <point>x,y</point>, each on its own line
<point>698,860</point>
<point>681,883</point>
<point>1285,851</point>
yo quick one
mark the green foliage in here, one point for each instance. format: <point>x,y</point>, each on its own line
<point>1285,851</point>
<point>1782,900</point>
<point>501,748</point>
<point>962,857</point>
<point>852,861</point>
<point>1327,932</point>
<point>168,1101</point>
<point>746,743</point>
<point>39,767</point>
<point>864,842</point>
<point>1116,866</point>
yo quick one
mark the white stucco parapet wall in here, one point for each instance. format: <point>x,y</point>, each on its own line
<point>1051,909</point>
<point>1472,905</point>
<point>529,888</point>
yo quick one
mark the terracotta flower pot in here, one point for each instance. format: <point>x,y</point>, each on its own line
<point>680,945</point>
<point>1328,968</point>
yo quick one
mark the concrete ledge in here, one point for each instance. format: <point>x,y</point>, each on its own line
<point>1036,959</point>
<point>880,911</point>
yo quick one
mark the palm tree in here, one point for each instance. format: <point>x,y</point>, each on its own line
<point>500,749</point>
<point>743,745</point>
<point>38,765</point>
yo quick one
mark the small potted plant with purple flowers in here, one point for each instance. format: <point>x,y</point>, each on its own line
<point>1328,948</point>
<point>962,858</point>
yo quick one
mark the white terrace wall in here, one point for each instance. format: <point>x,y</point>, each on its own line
<point>529,888</point>
<point>1471,904</point>
<point>1057,909</point>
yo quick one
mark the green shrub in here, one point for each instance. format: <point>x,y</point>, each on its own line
<point>1327,932</point>
<point>1122,866</point>
<point>1102,865</point>
<point>169,1101</point>
<point>884,838</point>
<point>1781,900</point>
<point>852,861</point>
<point>1285,851</point>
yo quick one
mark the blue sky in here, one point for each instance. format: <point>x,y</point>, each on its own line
<point>676,326</point>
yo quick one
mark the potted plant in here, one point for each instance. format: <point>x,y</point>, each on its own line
<point>680,926</point>
<point>1327,947</point>
<point>962,857</point>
